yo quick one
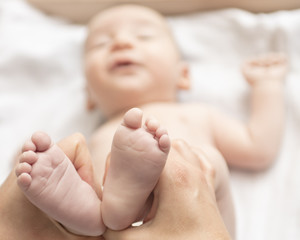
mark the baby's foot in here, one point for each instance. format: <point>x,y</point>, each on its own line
<point>49,180</point>
<point>138,156</point>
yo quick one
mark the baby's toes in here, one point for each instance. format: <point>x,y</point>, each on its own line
<point>22,171</point>
<point>42,141</point>
<point>29,157</point>
<point>24,180</point>
<point>163,138</point>
<point>28,146</point>
<point>133,118</point>
<point>164,143</point>
<point>152,125</point>
<point>23,167</point>
<point>160,131</point>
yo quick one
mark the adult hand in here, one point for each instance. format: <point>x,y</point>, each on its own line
<point>184,204</point>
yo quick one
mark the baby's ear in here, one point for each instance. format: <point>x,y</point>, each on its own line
<point>184,82</point>
<point>90,104</point>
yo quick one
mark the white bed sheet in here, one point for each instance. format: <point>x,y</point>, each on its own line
<point>42,88</point>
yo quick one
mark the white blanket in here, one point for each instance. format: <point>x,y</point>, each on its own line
<point>42,88</point>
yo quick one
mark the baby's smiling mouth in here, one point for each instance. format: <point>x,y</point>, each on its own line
<point>123,64</point>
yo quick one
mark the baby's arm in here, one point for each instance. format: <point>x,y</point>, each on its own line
<point>255,145</point>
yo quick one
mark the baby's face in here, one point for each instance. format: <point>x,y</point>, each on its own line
<point>130,59</point>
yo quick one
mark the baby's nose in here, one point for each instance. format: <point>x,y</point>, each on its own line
<point>122,41</point>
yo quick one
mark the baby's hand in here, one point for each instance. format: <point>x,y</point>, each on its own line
<point>270,67</point>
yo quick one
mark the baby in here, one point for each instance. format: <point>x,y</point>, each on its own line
<point>133,71</point>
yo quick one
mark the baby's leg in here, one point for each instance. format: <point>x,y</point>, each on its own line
<point>50,181</point>
<point>138,156</point>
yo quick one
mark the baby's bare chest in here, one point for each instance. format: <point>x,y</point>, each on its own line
<point>187,122</point>
<point>190,125</point>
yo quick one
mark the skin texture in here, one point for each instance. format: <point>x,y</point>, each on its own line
<point>138,156</point>
<point>188,178</point>
<point>124,64</point>
<point>50,181</point>
<point>125,68</point>
<point>20,219</point>
<point>196,180</point>
<point>48,178</point>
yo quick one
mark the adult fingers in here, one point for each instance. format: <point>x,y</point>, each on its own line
<point>182,181</point>
<point>76,149</point>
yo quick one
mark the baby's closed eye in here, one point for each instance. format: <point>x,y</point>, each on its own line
<point>101,41</point>
<point>145,34</point>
